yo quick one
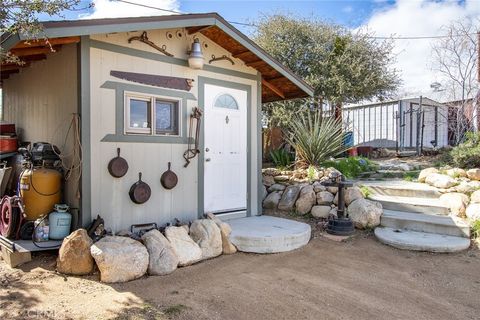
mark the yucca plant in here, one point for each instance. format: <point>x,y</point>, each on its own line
<point>315,139</point>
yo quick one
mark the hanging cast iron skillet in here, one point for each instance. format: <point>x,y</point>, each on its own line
<point>118,166</point>
<point>140,191</point>
<point>169,179</point>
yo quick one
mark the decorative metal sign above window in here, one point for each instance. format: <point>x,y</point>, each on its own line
<point>144,38</point>
<point>155,80</point>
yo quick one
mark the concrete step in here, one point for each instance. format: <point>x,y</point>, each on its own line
<point>420,222</point>
<point>401,188</point>
<point>267,234</point>
<point>420,241</point>
<point>411,204</point>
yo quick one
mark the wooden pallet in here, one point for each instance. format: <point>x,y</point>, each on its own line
<point>17,252</point>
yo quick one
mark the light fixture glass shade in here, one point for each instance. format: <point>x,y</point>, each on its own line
<point>195,60</point>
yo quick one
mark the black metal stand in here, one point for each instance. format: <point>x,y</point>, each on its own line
<point>342,225</point>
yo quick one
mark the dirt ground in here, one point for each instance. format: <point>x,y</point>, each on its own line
<point>356,279</point>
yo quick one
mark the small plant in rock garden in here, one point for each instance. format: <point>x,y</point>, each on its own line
<point>476,229</point>
<point>365,191</point>
<point>282,158</point>
<point>410,175</point>
<point>311,173</point>
<point>351,167</point>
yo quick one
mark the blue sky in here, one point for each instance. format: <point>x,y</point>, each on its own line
<point>405,18</point>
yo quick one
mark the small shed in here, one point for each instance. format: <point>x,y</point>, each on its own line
<point>130,82</point>
<point>397,123</point>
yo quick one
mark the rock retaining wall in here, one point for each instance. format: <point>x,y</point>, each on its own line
<point>303,192</point>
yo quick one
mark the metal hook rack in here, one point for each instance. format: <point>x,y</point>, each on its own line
<point>144,38</point>
<point>224,57</point>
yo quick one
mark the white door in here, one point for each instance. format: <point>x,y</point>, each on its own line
<point>225,153</point>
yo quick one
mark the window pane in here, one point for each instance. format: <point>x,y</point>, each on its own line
<point>226,101</point>
<point>139,114</point>
<point>165,117</point>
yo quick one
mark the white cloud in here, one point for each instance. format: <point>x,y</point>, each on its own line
<point>418,18</point>
<point>347,9</point>
<point>115,9</point>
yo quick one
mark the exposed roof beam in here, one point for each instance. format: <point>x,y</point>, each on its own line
<point>43,42</point>
<point>10,67</point>
<point>255,63</point>
<point>33,51</point>
<point>241,54</point>
<point>274,88</point>
<point>196,30</point>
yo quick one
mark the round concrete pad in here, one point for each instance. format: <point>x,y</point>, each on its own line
<point>266,234</point>
<point>421,241</point>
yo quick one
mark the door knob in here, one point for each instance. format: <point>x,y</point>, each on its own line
<point>207,149</point>
<point>207,160</point>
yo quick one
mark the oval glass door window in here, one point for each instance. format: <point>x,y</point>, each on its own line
<point>226,101</point>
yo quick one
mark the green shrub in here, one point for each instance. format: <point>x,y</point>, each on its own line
<point>315,139</point>
<point>282,158</point>
<point>365,191</point>
<point>351,167</point>
<point>476,229</point>
<point>410,175</point>
<point>467,154</point>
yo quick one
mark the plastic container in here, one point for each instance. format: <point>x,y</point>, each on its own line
<point>60,221</point>
<point>348,139</point>
<point>41,230</point>
<point>40,190</point>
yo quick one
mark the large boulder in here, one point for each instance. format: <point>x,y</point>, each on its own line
<point>321,211</point>
<point>306,200</point>
<point>473,211</point>
<point>468,186</point>
<point>474,174</point>
<point>120,259</point>
<point>188,252</point>
<point>425,173</point>
<point>225,231</point>
<point>440,180</point>
<point>324,198</point>
<point>475,197</point>
<point>206,234</point>
<point>352,194</point>
<point>74,255</point>
<point>456,173</point>
<point>162,257</point>
<point>456,202</point>
<point>272,200</point>
<point>365,213</point>
<point>331,173</point>
<point>289,197</point>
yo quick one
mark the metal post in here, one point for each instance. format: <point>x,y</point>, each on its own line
<point>341,199</point>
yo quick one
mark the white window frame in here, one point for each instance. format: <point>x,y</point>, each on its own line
<point>152,99</point>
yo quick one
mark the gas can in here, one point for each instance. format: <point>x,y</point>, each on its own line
<point>60,221</point>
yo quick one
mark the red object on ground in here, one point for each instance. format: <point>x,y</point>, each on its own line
<point>352,152</point>
<point>364,151</point>
<point>8,144</point>
<point>7,129</point>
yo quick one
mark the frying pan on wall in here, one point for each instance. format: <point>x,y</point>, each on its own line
<point>118,166</point>
<point>140,191</point>
<point>169,179</point>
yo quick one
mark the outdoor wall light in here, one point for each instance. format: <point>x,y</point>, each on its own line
<point>195,59</point>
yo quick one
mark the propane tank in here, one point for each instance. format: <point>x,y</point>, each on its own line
<point>60,221</point>
<point>41,229</point>
<point>40,191</point>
